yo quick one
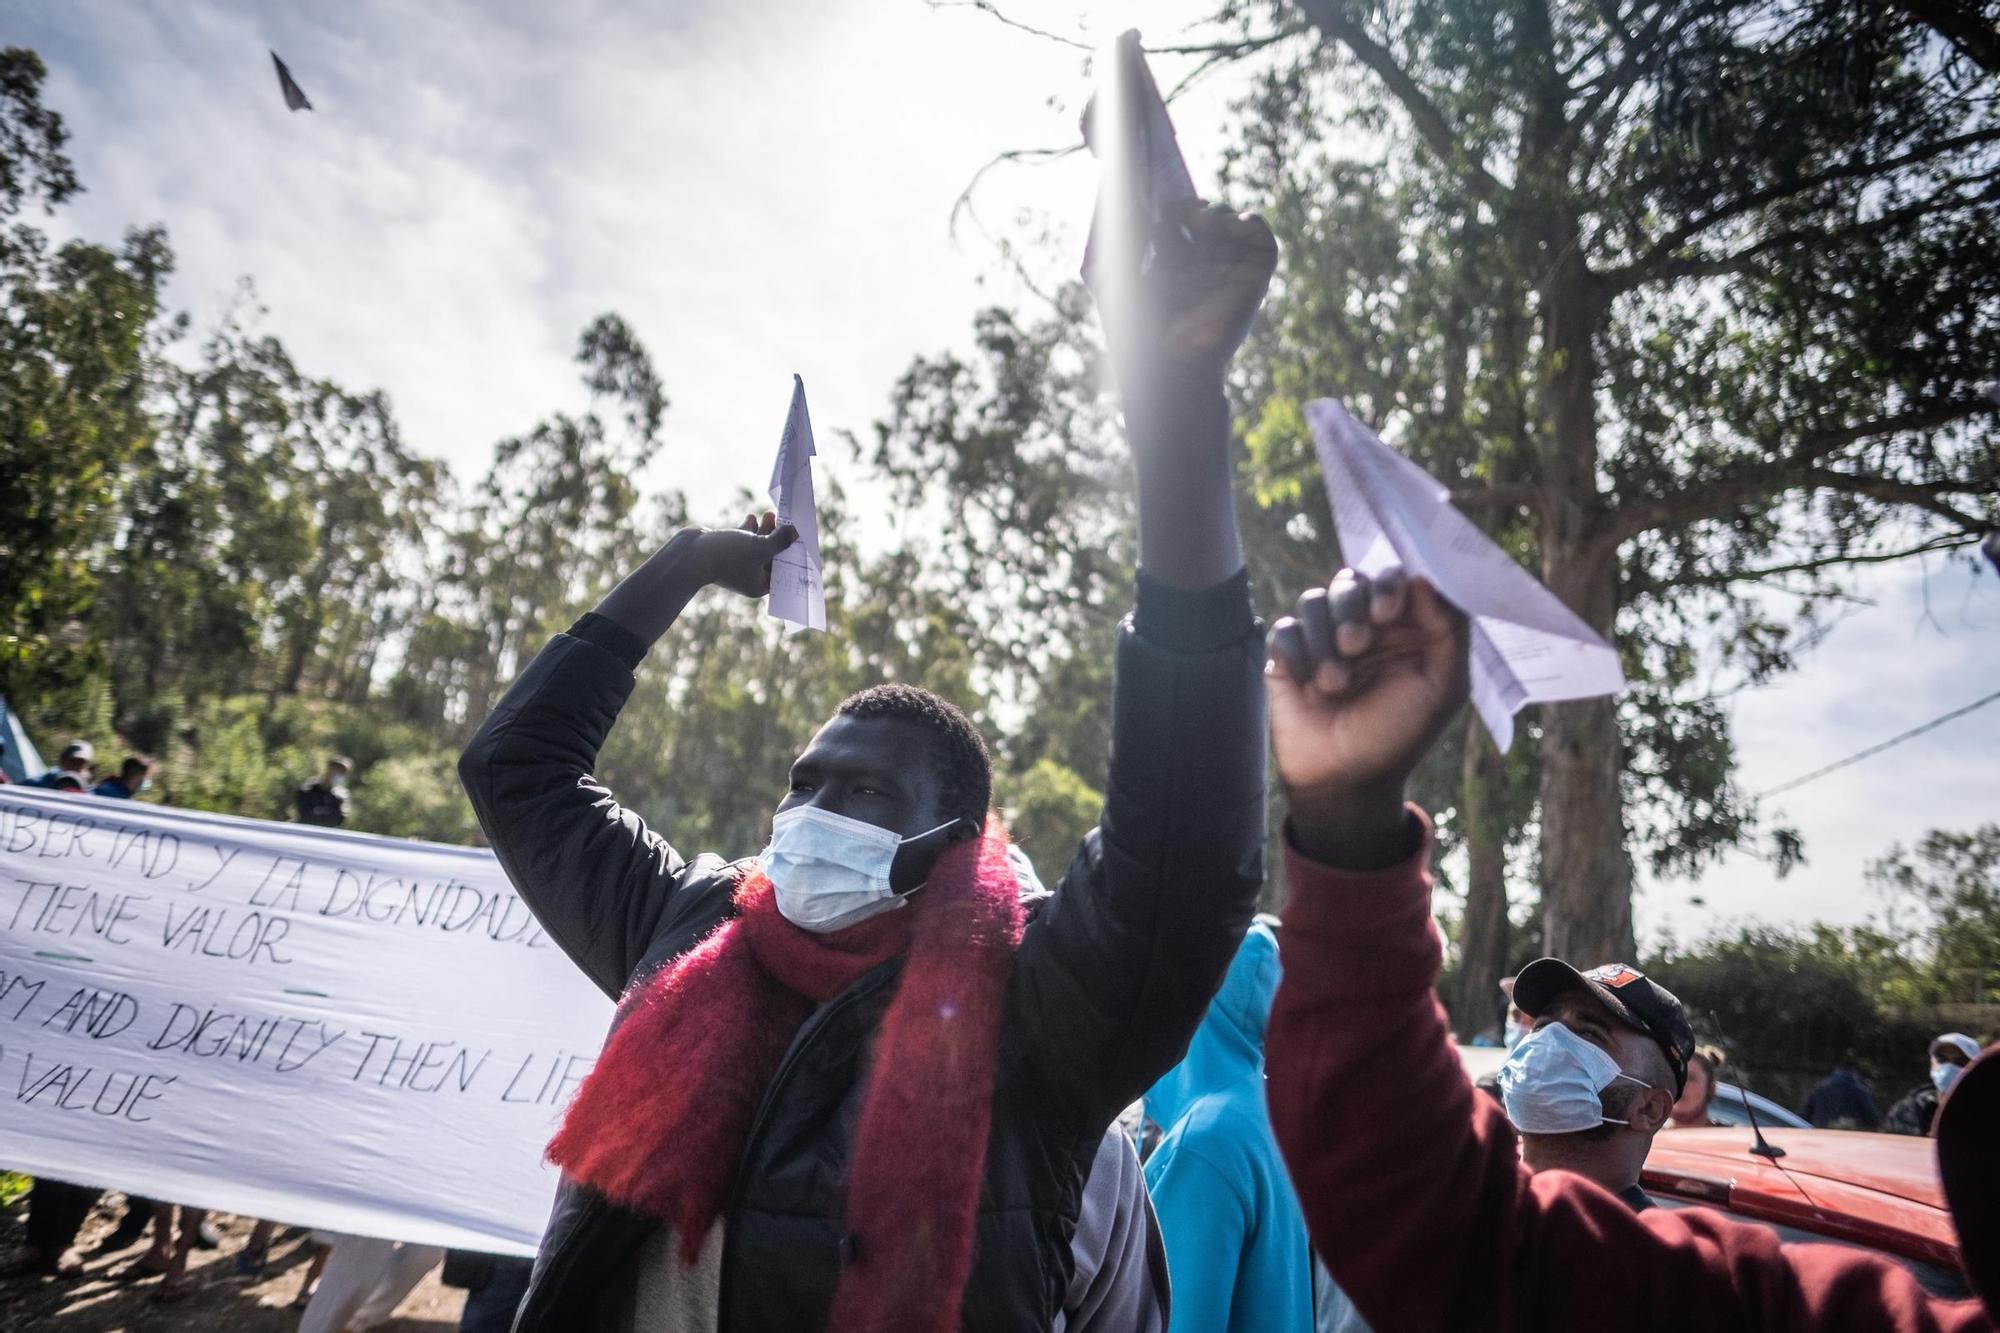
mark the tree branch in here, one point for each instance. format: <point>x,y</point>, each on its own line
<point>1764,481</point>
<point>1664,248</point>
<point>1223,49</point>
<point>1675,269</point>
<point>1961,24</point>
<point>1724,580</point>
<point>1333,23</point>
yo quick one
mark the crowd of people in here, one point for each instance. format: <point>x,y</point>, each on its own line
<point>873,1076</point>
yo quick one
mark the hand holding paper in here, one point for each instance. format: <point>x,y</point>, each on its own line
<point>1527,647</point>
<point>1145,184</point>
<point>797,595</point>
<point>1177,284</point>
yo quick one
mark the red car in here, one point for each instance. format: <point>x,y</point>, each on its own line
<point>1877,1192</point>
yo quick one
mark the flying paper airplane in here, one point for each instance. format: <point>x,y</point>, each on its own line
<point>295,96</point>
<point>1527,647</point>
<point>1142,175</point>
<point>797,595</point>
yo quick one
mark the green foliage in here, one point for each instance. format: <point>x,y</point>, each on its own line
<point>1788,1003</point>
<point>1049,809</point>
<point>1944,915</point>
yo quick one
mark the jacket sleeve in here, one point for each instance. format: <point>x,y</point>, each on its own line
<point>1413,1188</point>
<point>1117,968</point>
<point>601,883</point>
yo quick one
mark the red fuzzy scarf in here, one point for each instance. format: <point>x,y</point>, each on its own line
<point>660,1125</point>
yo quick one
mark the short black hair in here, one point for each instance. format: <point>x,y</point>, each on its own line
<point>135,764</point>
<point>957,749</point>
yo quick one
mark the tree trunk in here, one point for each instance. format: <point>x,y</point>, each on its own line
<point>1586,875</point>
<point>1483,942</point>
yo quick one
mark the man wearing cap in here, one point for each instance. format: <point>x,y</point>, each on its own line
<point>1414,1191</point>
<point>1597,1076</point>
<point>72,770</point>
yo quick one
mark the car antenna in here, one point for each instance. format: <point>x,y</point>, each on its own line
<point>1762,1147</point>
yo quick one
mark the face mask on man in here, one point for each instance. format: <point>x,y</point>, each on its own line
<point>829,871</point>
<point>1943,1074</point>
<point>1551,1081</point>
<point>1513,1034</point>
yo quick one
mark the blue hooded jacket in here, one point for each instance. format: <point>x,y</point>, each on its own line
<point>1236,1240</point>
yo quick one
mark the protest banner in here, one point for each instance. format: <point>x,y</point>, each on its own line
<point>362,1034</point>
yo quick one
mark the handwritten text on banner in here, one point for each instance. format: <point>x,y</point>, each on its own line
<point>363,1034</point>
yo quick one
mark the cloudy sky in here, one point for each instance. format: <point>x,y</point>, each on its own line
<point>764,189</point>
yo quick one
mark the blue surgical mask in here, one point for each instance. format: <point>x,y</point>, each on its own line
<point>1513,1034</point>
<point>1944,1074</point>
<point>1551,1081</point>
<point>828,871</point>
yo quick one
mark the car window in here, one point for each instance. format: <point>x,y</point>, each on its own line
<point>1728,1109</point>
<point>1944,1283</point>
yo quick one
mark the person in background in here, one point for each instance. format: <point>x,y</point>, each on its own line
<point>1236,1241</point>
<point>72,770</point>
<point>1691,1108</point>
<point>1916,1111</point>
<point>363,1282</point>
<point>323,800</point>
<point>4,779</point>
<point>168,1255</point>
<point>134,775</point>
<point>1119,1279</point>
<point>1842,1101</point>
<point>56,1212</point>
<point>494,1285</point>
<point>1517,1024</point>
<point>1412,1184</point>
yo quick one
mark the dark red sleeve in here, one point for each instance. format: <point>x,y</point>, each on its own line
<point>1412,1183</point>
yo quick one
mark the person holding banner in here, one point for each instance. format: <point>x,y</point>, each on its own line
<point>857,1082</point>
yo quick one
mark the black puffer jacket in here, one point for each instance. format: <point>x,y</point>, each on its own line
<point>1114,971</point>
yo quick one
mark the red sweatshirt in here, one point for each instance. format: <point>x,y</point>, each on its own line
<point>1413,1186</point>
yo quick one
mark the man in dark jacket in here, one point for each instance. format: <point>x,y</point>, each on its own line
<point>1413,1187</point>
<point>323,800</point>
<point>1842,1101</point>
<point>833,1113</point>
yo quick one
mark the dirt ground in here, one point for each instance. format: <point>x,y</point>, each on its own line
<point>100,1300</point>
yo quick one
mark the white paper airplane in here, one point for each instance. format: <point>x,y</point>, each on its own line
<point>1527,647</point>
<point>797,595</point>
<point>1140,159</point>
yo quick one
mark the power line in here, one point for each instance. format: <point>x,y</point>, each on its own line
<point>1859,755</point>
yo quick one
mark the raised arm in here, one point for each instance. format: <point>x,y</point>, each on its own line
<point>1117,969</point>
<point>601,882</point>
<point>1412,1183</point>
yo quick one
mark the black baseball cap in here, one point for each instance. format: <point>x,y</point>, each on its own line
<point>1627,992</point>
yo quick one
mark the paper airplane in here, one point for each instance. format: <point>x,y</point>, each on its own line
<point>1142,174</point>
<point>1527,647</point>
<point>295,96</point>
<point>797,596</point>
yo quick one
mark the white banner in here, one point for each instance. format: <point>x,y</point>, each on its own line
<point>330,1029</point>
